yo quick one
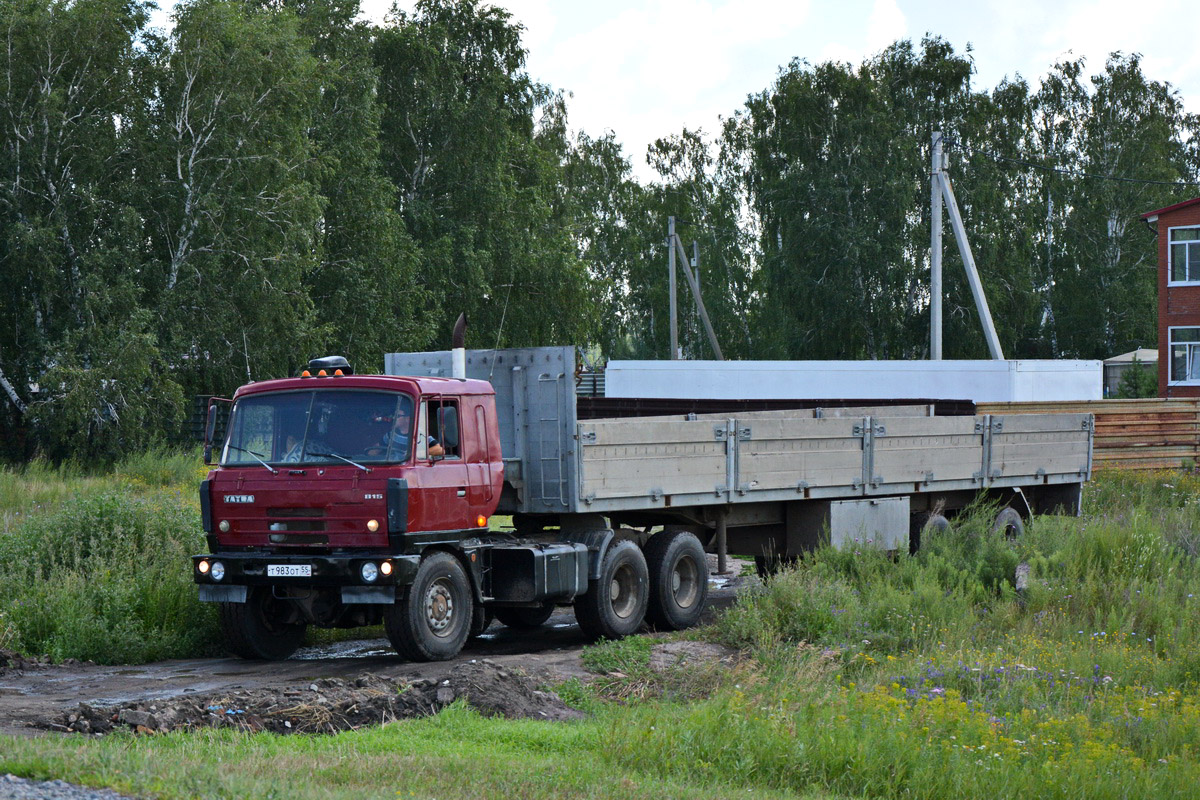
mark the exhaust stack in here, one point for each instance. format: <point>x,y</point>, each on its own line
<point>458,352</point>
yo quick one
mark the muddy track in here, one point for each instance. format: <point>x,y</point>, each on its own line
<point>36,698</point>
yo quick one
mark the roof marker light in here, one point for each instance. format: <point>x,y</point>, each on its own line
<point>337,373</point>
<point>306,374</point>
<point>322,374</point>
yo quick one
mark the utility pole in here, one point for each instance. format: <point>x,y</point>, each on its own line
<point>942,180</point>
<point>935,250</point>
<point>671,282</point>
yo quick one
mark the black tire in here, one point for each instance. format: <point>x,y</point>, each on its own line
<point>433,619</point>
<point>1009,522</point>
<point>924,524</point>
<point>678,580</point>
<point>615,605</point>
<point>525,619</point>
<point>259,629</point>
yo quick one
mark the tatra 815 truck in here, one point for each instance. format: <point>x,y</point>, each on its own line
<point>343,500</point>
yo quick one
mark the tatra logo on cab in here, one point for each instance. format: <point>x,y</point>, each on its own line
<point>239,498</point>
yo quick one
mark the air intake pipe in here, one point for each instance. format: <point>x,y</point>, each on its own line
<point>458,352</point>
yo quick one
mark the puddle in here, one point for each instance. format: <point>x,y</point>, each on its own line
<point>357,648</point>
<point>718,583</point>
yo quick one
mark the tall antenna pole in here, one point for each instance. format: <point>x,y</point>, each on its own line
<point>935,250</point>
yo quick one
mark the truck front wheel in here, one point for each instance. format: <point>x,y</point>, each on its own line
<point>432,622</point>
<point>262,627</point>
<point>678,580</point>
<point>615,605</point>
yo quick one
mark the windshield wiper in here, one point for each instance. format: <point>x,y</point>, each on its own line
<point>255,456</point>
<point>340,458</point>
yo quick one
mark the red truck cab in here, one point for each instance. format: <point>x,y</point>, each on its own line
<point>330,495</point>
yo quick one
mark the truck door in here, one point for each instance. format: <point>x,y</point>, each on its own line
<point>443,478</point>
<point>479,456</point>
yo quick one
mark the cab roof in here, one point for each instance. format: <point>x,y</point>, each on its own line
<point>393,383</point>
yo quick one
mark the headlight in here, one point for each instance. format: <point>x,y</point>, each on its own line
<point>386,568</point>
<point>224,526</point>
<point>373,525</point>
<point>369,572</point>
<point>217,571</point>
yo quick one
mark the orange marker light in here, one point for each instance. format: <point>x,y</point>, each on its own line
<point>337,372</point>
<point>306,374</point>
<point>481,521</point>
<point>322,374</point>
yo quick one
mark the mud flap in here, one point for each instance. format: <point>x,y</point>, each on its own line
<point>378,595</point>
<point>222,594</point>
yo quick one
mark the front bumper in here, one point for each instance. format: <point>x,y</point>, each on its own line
<point>341,572</point>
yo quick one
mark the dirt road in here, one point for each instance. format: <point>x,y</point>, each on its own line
<point>34,698</point>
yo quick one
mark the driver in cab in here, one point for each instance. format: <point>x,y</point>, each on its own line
<point>397,441</point>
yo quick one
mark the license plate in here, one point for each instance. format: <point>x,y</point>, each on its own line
<point>289,570</point>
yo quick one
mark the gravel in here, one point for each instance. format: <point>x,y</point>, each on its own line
<point>14,788</point>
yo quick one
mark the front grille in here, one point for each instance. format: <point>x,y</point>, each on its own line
<point>299,538</point>
<point>295,512</point>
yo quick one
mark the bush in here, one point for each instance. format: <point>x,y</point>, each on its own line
<point>107,579</point>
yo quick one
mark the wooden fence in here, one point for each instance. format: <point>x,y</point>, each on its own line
<point>1130,434</point>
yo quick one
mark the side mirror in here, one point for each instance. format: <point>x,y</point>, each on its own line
<point>209,429</point>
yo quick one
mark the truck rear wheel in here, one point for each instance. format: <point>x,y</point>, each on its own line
<point>615,605</point>
<point>525,618</point>
<point>678,580</point>
<point>260,628</point>
<point>432,622</point>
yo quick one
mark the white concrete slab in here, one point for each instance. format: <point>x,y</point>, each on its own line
<point>981,381</point>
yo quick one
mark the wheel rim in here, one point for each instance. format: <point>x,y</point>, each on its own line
<point>685,582</point>
<point>623,591</point>
<point>439,607</point>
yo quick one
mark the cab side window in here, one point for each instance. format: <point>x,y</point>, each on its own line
<point>440,419</point>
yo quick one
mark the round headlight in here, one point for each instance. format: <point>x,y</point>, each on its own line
<point>217,571</point>
<point>386,568</point>
<point>203,567</point>
<point>369,572</point>
<point>373,525</point>
<point>224,526</point>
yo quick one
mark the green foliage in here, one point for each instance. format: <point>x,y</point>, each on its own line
<point>1137,380</point>
<point>104,577</point>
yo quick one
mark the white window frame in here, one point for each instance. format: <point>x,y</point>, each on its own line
<point>1193,353</point>
<point>1170,259</point>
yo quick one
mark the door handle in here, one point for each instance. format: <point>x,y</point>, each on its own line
<point>462,492</point>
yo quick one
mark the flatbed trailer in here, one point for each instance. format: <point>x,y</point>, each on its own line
<point>777,481</point>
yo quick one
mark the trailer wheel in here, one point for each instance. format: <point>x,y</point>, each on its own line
<point>1009,522</point>
<point>259,629</point>
<point>525,618</point>
<point>433,620</point>
<point>678,580</point>
<point>615,605</point>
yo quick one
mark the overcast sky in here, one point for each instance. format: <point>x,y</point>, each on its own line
<point>647,69</point>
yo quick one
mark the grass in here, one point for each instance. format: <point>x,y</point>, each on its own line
<point>456,754</point>
<point>922,676</point>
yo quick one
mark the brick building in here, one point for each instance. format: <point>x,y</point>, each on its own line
<point>1178,229</point>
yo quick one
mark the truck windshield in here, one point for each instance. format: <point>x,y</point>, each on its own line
<point>324,426</point>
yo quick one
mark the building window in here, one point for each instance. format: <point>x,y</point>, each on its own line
<point>1185,355</point>
<point>1184,255</point>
